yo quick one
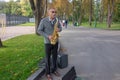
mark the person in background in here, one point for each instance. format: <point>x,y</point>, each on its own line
<point>66,23</point>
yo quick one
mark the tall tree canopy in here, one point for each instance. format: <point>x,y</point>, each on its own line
<point>19,7</point>
<point>64,8</point>
<point>96,10</point>
<point>110,10</point>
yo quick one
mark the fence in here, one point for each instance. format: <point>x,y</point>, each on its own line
<point>10,20</point>
<point>2,19</point>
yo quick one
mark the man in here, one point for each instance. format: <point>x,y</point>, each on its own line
<point>46,28</point>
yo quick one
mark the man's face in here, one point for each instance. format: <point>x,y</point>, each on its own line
<point>52,13</point>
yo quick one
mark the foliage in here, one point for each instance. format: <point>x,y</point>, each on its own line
<point>12,8</point>
<point>96,10</point>
<point>20,56</point>
<point>2,7</point>
<point>19,7</point>
<point>64,8</point>
<point>116,17</point>
<point>25,8</point>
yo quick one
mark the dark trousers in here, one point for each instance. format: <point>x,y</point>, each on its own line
<point>51,51</point>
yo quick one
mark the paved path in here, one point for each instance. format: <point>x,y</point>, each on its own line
<point>10,32</point>
<point>94,53</point>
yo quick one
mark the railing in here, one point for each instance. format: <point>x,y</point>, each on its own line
<point>10,20</point>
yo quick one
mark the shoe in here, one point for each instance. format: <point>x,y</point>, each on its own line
<point>56,74</point>
<point>49,77</point>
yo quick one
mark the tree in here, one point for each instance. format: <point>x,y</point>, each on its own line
<point>39,10</point>
<point>2,5</point>
<point>19,7</point>
<point>110,12</point>
<point>12,8</point>
<point>63,8</point>
<point>0,43</point>
<point>77,11</point>
<point>25,8</point>
<point>90,12</point>
<point>83,12</point>
<point>101,15</point>
<point>96,12</point>
<point>116,16</point>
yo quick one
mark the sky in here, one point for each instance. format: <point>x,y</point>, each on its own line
<point>6,0</point>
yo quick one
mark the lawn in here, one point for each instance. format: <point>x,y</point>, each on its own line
<point>114,26</point>
<point>20,56</point>
<point>27,24</point>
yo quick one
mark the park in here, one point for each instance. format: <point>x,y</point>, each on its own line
<point>91,39</point>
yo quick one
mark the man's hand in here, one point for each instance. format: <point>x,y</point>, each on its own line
<point>50,37</point>
<point>58,30</point>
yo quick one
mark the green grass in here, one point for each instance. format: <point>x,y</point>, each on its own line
<point>114,26</point>
<point>27,24</point>
<point>20,56</point>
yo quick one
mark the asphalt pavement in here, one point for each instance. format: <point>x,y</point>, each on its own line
<point>95,53</point>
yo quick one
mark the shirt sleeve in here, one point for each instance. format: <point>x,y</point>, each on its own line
<point>40,29</point>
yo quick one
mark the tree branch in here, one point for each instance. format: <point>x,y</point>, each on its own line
<point>32,6</point>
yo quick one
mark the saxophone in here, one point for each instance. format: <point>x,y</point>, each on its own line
<point>55,34</point>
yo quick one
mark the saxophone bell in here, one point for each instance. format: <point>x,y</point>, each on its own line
<point>55,34</point>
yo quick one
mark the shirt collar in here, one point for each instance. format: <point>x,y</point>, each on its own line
<point>51,19</point>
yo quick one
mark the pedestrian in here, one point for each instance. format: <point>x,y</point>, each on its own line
<point>66,22</point>
<point>63,23</point>
<point>46,29</point>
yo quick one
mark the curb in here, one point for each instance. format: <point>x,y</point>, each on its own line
<point>36,76</point>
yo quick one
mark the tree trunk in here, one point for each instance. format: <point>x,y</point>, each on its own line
<point>90,16</point>
<point>0,43</point>
<point>101,15</point>
<point>73,6</point>
<point>110,13</point>
<point>81,13</point>
<point>38,10</point>
<point>38,15</point>
<point>80,19</point>
<point>109,16</point>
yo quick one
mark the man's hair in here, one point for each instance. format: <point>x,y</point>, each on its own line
<point>51,7</point>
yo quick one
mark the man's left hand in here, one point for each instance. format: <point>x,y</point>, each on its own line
<point>58,30</point>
